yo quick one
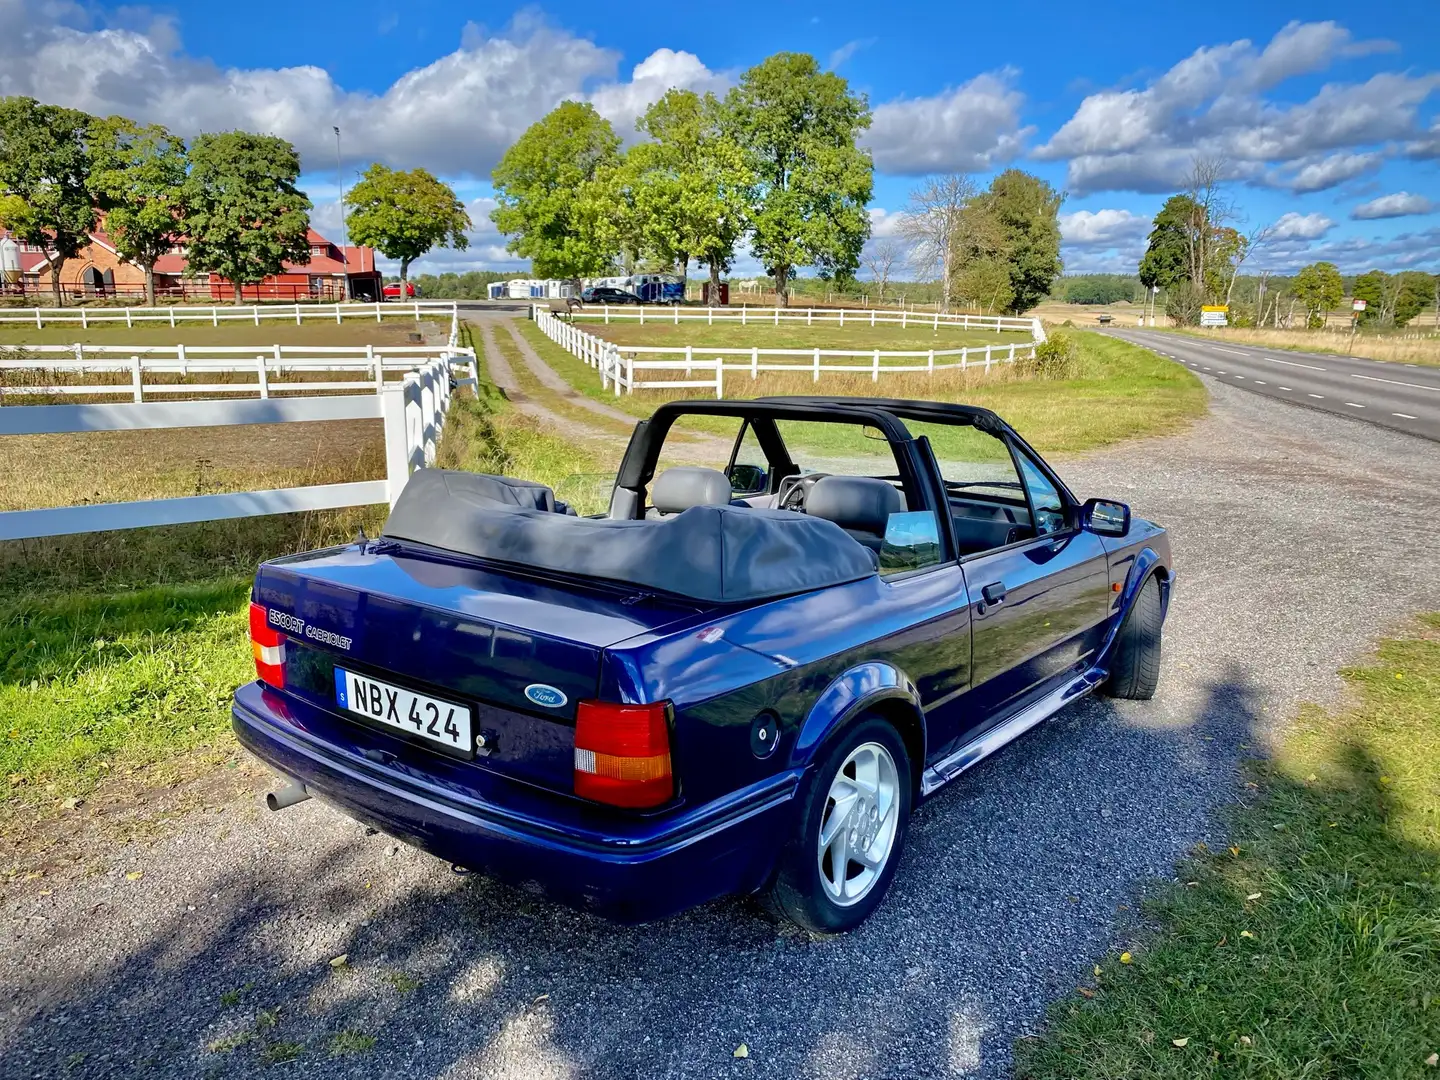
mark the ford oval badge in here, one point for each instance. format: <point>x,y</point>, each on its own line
<point>547,697</point>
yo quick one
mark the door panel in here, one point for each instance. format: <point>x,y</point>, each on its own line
<point>1048,602</point>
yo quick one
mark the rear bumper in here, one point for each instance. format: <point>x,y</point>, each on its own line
<point>654,870</point>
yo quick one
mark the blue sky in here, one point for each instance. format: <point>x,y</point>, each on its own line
<point>1327,114</point>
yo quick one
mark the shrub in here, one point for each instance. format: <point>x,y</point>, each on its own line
<point>1053,359</point>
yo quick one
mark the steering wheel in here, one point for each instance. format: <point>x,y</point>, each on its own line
<point>794,490</point>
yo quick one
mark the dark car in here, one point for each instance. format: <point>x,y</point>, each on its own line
<point>605,294</point>
<point>739,679</point>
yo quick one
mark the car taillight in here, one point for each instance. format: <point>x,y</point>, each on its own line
<point>622,753</point>
<point>268,645</point>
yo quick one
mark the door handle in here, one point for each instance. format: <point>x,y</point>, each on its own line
<point>994,593</point>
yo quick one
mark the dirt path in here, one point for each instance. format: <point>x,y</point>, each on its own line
<point>552,380</point>
<point>1294,552</point>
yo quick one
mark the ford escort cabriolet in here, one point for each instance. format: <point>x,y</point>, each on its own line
<point>741,679</point>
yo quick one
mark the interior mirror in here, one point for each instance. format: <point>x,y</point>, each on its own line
<point>748,479</point>
<point>1105,517</point>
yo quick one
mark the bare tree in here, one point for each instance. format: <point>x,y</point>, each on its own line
<point>881,258</point>
<point>1210,212</point>
<point>931,218</point>
<point>1245,246</point>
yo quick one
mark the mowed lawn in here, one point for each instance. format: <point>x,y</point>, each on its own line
<point>1117,391</point>
<point>858,336</point>
<point>1309,945</point>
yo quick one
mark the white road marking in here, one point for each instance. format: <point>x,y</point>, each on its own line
<point>1232,352</point>
<point>1221,372</point>
<point>1404,415</point>
<point>1318,397</point>
<point>1284,388</point>
<point>1395,382</point>
<point>1239,376</point>
<point>1353,405</point>
<point>1205,366</point>
<point>1291,363</point>
<point>1261,382</point>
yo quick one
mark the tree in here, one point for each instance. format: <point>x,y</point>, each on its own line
<point>1372,287</point>
<point>692,182</point>
<point>1026,212</point>
<point>1391,300</point>
<point>405,214</point>
<point>881,258</point>
<point>45,176</point>
<point>243,213</point>
<point>540,185</point>
<point>1319,288</point>
<point>138,176</point>
<point>798,127</point>
<point>929,223</point>
<point>1166,259</point>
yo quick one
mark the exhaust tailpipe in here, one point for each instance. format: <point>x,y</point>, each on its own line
<point>289,795</point>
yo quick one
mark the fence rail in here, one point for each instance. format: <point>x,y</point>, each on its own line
<point>746,316</point>
<point>618,364</point>
<point>215,314</point>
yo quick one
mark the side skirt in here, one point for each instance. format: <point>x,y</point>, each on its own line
<point>942,772</point>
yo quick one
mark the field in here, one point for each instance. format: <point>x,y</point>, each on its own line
<point>1116,391</point>
<point>1416,346</point>
<point>1311,946</point>
<point>797,336</point>
<point>269,332</point>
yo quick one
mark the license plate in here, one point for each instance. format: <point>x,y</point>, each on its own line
<point>431,719</point>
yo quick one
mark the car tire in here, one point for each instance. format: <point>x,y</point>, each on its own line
<point>1135,660</point>
<point>865,775</point>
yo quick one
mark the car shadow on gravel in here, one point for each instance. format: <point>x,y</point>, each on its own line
<point>1015,877</point>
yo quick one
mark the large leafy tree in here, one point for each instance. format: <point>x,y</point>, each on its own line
<point>1320,288</point>
<point>138,177</point>
<point>1392,299</point>
<point>243,213</point>
<point>1167,255</point>
<point>405,214</point>
<point>45,196</point>
<point>1025,210</point>
<point>543,186</point>
<point>798,127</point>
<point>691,182</point>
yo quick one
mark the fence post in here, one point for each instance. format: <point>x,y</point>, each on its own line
<point>719,377</point>
<point>930,364</point>
<point>872,316</point>
<point>642,314</point>
<point>904,314</point>
<point>172,316</point>
<point>136,382</point>
<point>817,365</point>
<point>417,310</point>
<point>214,315</point>
<point>297,314</point>
<point>397,453</point>
<point>604,365</point>
<point>41,326</point>
<point>180,356</point>
<point>777,312</point>
<point>875,371</point>
<point>79,354</point>
<point>337,314</point>
<point>260,372</point>
<point>742,313</point>
<point>964,358</point>
<point>629,374</point>
<point>754,362</point>
<point>128,324</point>
<point>275,351</point>
<point>1012,353</point>
<point>607,314</point>
<point>709,315</point>
<point>842,316</point>
<point>83,324</point>
<point>937,320</point>
<point>809,316</point>
<point>377,311</point>
<point>689,359</point>
<point>987,359</point>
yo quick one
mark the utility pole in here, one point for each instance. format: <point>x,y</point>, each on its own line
<point>344,229</point>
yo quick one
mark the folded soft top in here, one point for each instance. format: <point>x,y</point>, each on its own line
<point>724,554</point>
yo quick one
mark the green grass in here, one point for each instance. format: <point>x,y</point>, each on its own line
<point>1118,391</point>
<point>270,332</point>
<point>1311,946</point>
<point>797,335</point>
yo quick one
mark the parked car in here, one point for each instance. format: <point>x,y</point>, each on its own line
<point>605,294</point>
<point>737,680</point>
<point>392,290</point>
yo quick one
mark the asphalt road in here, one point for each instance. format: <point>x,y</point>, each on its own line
<point>1405,397</point>
<point>205,950</point>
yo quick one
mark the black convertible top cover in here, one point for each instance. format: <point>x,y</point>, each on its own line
<point>722,554</point>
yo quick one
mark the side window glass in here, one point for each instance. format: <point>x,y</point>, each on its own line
<point>1049,507</point>
<point>750,472</point>
<point>912,541</point>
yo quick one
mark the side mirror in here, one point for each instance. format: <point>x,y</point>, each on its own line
<point>748,479</point>
<point>1105,517</point>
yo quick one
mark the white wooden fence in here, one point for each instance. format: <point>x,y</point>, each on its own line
<point>747,316</point>
<point>618,364</point>
<point>413,411</point>
<point>218,313</point>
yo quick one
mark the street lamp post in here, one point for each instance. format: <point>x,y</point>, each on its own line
<point>344,231</point>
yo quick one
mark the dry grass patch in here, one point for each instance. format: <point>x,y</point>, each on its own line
<point>1416,346</point>
<point>796,335</point>
<point>269,332</point>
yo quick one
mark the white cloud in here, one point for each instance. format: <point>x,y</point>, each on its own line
<point>846,51</point>
<point>1400,204</point>
<point>967,129</point>
<point>455,116</point>
<point>1356,254</point>
<point>885,223</point>
<point>1102,228</point>
<point>1293,226</point>
<point>1211,104</point>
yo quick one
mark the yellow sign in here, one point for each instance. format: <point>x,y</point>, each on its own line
<point>1216,307</point>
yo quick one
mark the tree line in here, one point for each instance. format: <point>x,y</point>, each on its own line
<point>231,199</point>
<point>774,163</point>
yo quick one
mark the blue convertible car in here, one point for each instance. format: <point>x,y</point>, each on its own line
<point>741,679</point>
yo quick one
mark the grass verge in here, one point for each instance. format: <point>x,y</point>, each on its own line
<point>1311,947</point>
<point>1400,347</point>
<point>1117,391</point>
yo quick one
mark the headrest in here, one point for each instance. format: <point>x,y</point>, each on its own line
<point>854,502</point>
<point>685,486</point>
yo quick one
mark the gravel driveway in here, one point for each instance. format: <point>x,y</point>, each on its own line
<point>1297,544</point>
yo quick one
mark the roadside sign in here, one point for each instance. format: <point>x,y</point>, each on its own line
<point>1359,305</point>
<point>1214,315</point>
